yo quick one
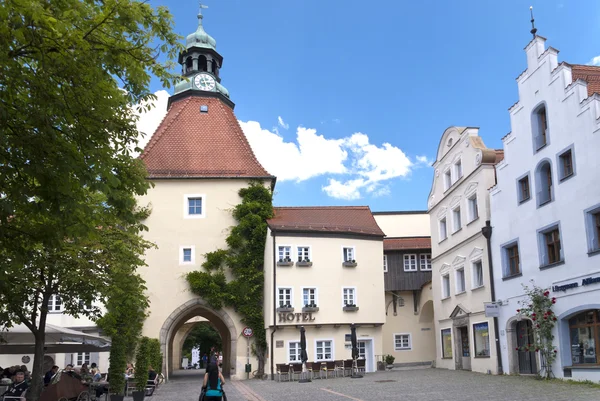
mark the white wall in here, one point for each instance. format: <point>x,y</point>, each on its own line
<point>403,224</point>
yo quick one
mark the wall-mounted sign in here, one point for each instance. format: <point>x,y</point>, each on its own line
<point>290,317</point>
<point>26,359</point>
<point>279,344</point>
<point>575,284</point>
<point>491,309</point>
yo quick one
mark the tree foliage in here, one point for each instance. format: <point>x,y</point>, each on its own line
<point>202,336</point>
<point>156,357</point>
<point>245,259</point>
<point>70,72</point>
<point>142,362</point>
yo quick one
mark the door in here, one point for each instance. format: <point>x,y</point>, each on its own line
<point>465,348</point>
<point>365,351</point>
<point>527,361</point>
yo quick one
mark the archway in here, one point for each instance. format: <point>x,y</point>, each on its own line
<point>219,319</point>
<point>426,315</point>
<point>519,332</point>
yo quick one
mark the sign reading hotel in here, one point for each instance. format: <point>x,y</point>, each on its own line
<point>575,284</point>
<point>290,317</point>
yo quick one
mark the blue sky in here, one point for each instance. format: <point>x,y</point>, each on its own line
<point>345,101</point>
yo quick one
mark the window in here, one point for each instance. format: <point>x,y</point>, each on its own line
<point>324,350</point>
<point>83,357</point>
<point>285,297</point>
<point>566,165</point>
<point>540,128</point>
<point>54,304</point>
<point>187,255</point>
<point>425,261</point>
<point>309,296</point>
<point>523,191</point>
<point>85,305</point>
<point>443,230</point>
<point>445,286</point>
<point>447,179</point>
<point>512,260</point>
<point>585,337</point>
<point>456,219</point>
<point>410,263</point>
<point>544,183</point>
<point>294,352</point>
<point>460,280</point>
<point>458,172</point>
<point>592,227</point>
<point>553,249</point>
<point>385,266</point>
<point>447,344</point>
<point>596,217</point>
<point>477,274</point>
<point>473,210</point>
<point>402,342</point>
<point>349,296</point>
<point>303,254</point>
<point>285,253</point>
<point>481,335</point>
<point>194,206</point>
<point>348,254</point>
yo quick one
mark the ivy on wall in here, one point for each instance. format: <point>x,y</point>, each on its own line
<point>244,257</point>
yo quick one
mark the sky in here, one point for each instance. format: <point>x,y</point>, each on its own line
<point>345,101</point>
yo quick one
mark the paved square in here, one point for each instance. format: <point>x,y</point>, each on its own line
<point>409,385</point>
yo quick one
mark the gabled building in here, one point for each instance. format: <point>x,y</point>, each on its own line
<point>546,213</point>
<point>323,271</point>
<point>458,207</point>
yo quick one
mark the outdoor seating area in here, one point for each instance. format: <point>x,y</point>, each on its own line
<point>319,370</point>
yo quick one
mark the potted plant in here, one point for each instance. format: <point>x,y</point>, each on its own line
<point>389,361</point>
<point>142,362</point>
<point>117,364</point>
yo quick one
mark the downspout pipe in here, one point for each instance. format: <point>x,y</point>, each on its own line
<point>274,307</point>
<point>487,233</point>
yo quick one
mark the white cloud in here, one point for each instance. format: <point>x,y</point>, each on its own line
<point>424,160</point>
<point>349,190</point>
<point>149,120</point>
<point>282,123</point>
<point>595,61</point>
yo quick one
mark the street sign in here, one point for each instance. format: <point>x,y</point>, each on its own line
<point>491,309</point>
<point>247,332</point>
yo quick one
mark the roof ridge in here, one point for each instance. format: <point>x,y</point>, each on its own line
<point>322,207</point>
<point>159,134</point>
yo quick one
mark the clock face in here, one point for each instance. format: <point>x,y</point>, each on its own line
<point>204,82</point>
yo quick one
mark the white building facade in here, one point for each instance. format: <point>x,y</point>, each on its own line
<point>546,213</point>
<point>458,207</point>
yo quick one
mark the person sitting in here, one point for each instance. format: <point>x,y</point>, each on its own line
<point>213,383</point>
<point>130,369</point>
<point>96,375</point>
<point>18,387</point>
<point>84,369</point>
<point>71,372</point>
<point>151,374</point>
<point>50,375</point>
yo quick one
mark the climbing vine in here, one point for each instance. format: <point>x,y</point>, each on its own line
<point>538,307</point>
<point>244,257</point>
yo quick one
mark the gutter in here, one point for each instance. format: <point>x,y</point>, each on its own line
<point>274,307</point>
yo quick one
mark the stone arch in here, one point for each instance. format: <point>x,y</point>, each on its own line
<point>512,343</point>
<point>220,320</point>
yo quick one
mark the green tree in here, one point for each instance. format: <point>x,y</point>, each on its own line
<point>142,362</point>
<point>245,259</point>
<point>202,336</point>
<point>156,357</point>
<point>70,71</point>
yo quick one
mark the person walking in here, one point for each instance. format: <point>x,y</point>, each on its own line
<point>212,386</point>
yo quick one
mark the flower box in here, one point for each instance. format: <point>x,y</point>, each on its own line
<point>287,309</point>
<point>349,263</point>
<point>350,308</point>
<point>285,262</point>
<point>310,309</point>
<point>304,263</point>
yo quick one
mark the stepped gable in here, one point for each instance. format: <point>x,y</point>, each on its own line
<point>400,243</point>
<point>590,74</point>
<point>193,144</point>
<point>325,219</point>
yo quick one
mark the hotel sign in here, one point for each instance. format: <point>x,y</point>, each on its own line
<point>290,317</point>
<point>575,284</point>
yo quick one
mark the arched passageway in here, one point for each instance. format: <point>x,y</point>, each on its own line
<point>221,321</point>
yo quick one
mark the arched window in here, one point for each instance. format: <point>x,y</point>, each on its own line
<point>544,185</point>
<point>585,337</point>
<point>189,65</point>
<point>202,63</point>
<point>539,125</point>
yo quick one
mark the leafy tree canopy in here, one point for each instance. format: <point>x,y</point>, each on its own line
<point>202,336</point>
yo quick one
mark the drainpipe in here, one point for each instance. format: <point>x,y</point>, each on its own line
<point>487,233</point>
<point>274,306</point>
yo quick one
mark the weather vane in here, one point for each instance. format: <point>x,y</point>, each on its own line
<point>533,28</point>
<point>201,7</point>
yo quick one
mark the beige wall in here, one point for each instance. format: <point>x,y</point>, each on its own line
<point>404,224</point>
<point>170,230</point>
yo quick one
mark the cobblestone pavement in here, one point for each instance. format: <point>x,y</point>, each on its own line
<point>408,385</point>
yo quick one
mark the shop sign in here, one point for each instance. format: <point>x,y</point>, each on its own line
<point>290,317</point>
<point>575,284</point>
<point>492,309</point>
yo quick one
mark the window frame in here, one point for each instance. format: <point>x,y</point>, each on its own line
<point>542,245</point>
<point>457,169</point>
<point>544,183</point>
<point>536,126</point>
<point>385,263</point>
<point>344,247</point>
<point>83,358</point>
<point>309,252</point>
<point>182,260</point>
<point>316,295</point>
<point>55,309</point>
<point>560,168</point>
<point>442,277</point>
<point>427,262</point>
<point>285,246</point>
<point>473,207</point>
<point>186,211</point>
<point>409,347</point>
<point>442,349</point>
<point>297,349</point>
<point>520,199</point>
<point>595,325</point>
<point>447,178</point>
<point>456,212</point>
<point>444,221</point>
<point>489,347</point>
<point>592,229</point>
<point>331,346</point>
<point>474,285</point>
<point>407,256</point>
<point>353,295</point>
<point>460,268</point>
<point>505,258</point>
<point>279,288</point>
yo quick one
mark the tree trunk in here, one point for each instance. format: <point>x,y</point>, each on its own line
<point>260,355</point>
<point>37,374</point>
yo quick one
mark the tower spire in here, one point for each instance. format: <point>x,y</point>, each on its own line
<point>533,28</point>
<point>200,16</point>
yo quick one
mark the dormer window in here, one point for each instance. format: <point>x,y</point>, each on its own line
<point>539,125</point>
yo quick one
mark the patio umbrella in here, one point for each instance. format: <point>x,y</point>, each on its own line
<point>354,341</point>
<point>303,355</point>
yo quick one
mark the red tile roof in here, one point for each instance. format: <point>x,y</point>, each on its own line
<point>326,219</point>
<point>192,144</point>
<point>396,244</point>
<point>590,74</point>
